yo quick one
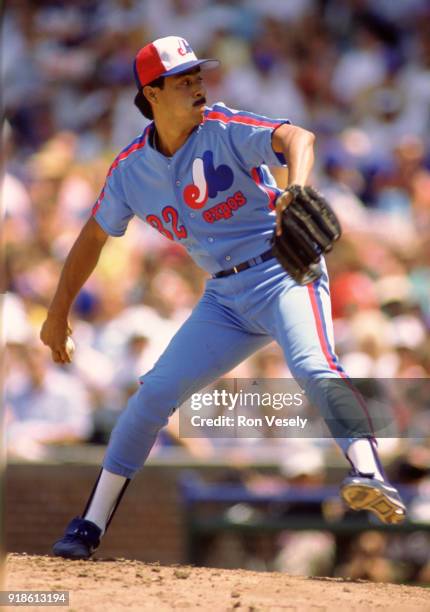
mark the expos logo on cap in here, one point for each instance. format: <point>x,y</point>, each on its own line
<point>165,57</point>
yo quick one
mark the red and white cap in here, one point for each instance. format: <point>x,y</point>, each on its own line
<point>165,57</point>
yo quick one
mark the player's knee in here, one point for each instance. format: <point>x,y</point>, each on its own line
<point>313,366</point>
<point>306,367</point>
<point>153,403</point>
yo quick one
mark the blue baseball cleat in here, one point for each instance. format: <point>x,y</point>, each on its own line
<point>363,492</point>
<point>79,541</point>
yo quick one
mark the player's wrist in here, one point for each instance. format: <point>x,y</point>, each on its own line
<point>58,314</point>
<point>294,188</point>
<point>284,199</point>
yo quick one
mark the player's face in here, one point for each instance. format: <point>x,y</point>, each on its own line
<point>184,97</point>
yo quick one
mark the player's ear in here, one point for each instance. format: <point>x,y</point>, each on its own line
<point>150,94</point>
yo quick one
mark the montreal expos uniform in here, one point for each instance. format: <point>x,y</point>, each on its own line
<point>216,196</point>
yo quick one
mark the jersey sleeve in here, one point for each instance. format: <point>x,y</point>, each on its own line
<point>111,210</point>
<point>249,135</point>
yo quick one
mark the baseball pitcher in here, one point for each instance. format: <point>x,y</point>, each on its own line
<point>199,175</point>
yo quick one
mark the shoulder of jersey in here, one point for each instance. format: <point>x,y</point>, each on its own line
<point>131,152</point>
<point>221,115</point>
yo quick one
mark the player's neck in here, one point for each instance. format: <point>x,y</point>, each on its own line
<point>169,138</point>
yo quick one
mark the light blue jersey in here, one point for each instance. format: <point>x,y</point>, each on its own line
<point>215,195</point>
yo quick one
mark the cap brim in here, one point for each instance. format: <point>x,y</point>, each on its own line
<point>210,64</point>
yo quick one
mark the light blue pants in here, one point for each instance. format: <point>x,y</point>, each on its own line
<point>236,316</point>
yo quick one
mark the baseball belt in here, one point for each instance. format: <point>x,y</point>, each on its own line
<point>254,261</point>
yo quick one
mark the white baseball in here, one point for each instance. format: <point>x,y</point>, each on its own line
<point>70,347</point>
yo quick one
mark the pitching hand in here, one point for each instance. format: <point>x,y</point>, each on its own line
<point>55,333</point>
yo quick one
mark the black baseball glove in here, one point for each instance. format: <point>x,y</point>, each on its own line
<point>309,228</point>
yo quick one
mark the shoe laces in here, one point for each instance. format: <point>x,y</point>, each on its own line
<point>81,531</point>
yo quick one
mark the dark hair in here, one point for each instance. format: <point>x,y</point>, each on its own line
<point>143,103</point>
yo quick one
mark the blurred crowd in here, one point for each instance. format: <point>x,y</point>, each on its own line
<point>357,73</point>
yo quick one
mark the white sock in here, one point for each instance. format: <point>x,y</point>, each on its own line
<point>105,496</point>
<point>362,457</point>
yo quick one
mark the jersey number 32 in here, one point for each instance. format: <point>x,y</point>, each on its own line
<point>170,216</point>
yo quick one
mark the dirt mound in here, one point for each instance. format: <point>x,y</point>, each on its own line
<point>119,584</point>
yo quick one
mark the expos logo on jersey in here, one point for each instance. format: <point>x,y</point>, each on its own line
<point>208,181</point>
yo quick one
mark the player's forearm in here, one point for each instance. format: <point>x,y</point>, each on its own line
<point>297,146</point>
<point>79,265</point>
<point>300,160</point>
<point>77,269</point>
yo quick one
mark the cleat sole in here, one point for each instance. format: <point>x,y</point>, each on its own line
<point>360,496</point>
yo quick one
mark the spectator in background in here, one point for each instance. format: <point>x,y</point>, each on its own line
<point>305,553</point>
<point>368,559</point>
<point>44,405</point>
